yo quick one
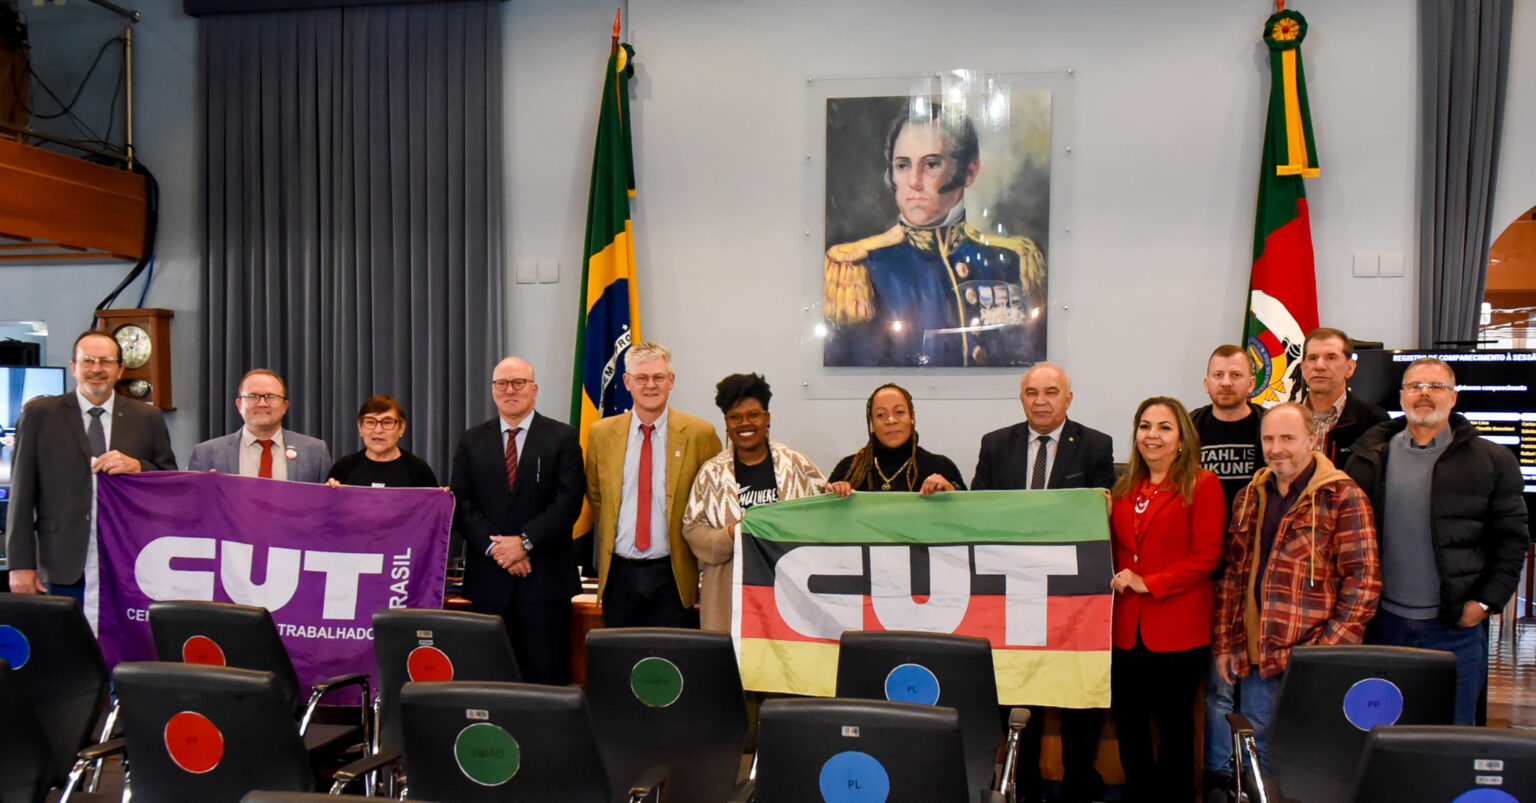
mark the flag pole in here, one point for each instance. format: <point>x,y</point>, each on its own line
<point>616,13</point>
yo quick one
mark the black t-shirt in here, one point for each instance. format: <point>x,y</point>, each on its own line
<point>405,471</point>
<point>1232,450</point>
<point>755,485</point>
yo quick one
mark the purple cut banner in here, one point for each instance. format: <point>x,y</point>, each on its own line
<point>321,559</point>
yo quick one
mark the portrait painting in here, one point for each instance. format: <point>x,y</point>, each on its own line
<point>937,217</point>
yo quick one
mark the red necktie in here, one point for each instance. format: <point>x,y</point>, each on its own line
<point>266,458</point>
<point>512,456</point>
<point>643,498</point>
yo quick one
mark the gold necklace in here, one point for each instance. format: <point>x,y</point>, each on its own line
<point>894,474</point>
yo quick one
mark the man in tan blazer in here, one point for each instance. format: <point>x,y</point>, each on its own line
<point>640,467</point>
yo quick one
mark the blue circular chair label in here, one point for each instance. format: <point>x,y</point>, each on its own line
<point>912,683</point>
<point>1485,796</point>
<point>1371,702</point>
<point>14,647</point>
<point>854,777</point>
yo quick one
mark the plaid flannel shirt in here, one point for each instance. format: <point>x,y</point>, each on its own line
<point>1323,577</point>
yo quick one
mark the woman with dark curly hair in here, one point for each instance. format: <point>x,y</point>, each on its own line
<point>892,460</point>
<point>753,471</point>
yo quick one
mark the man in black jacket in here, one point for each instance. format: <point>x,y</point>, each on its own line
<point>1049,451</point>
<point>1327,363</point>
<point>1451,520</point>
<point>519,482</point>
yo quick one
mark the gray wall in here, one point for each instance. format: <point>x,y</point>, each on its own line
<point>1164,115</point>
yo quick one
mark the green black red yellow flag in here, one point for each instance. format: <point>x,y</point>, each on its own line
<point>1282,295</point>
<point>609,318</point>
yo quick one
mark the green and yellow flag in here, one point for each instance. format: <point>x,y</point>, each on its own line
<point>610,307</point>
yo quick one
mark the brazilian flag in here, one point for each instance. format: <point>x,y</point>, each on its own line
<point>609,319</point>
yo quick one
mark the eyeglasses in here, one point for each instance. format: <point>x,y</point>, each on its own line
<point>92,362</point>
<point>386,424</point>
<point>737,419</point>
<point>513,384</point>
<point>269,398</point>
<point>649,379</point>
<point>1426,387</point>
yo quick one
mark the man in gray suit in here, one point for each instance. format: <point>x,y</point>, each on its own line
<point>262,448</point>
<point>60,442</point>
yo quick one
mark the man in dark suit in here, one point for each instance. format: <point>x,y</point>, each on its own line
<point>60,442</point>
<point>519,483</point>
<point>1048,451</point>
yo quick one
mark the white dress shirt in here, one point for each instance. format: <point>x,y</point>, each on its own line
<point>250,455</point>
<point>1050,452</point>
<point>624,540</point>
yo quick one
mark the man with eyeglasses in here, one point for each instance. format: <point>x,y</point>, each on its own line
<point>61,441</point>
<point>640,467</point>
<point>262,447</point>
<point>1451,521</point>
<point>519,484</point>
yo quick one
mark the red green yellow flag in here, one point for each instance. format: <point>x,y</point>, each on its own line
<point>609,318</point>
<point>1282,294</point>
<point>1022,569</point>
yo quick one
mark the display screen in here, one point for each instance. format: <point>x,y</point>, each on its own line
<point>17,387</point>
<point>1493,391</point>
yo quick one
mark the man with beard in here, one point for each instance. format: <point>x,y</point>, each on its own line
<point>1452,527</point>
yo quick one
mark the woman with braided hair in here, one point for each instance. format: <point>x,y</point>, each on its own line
<point>892,460</point>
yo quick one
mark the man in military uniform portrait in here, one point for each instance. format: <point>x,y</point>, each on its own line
<point>935,289</point>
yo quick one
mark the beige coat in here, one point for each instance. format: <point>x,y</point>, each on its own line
<point>709,524</point>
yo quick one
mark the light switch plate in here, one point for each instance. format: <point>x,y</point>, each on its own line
<point>549,271</point>
<point>1392,263</point>
<point>1367,263</point>
<point>526,272</point>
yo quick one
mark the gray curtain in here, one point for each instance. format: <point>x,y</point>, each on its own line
<point>1464,66</point>
<point>353,215</point>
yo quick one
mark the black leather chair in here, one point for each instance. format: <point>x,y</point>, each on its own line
<point>263,796</point>
<point>212,734</point>
<point>1433,764</point>
<point>430,645</point>
<point>932,669</point>
<point>57,667</point>
<point>1329,700</point>
<point>668,697</point>
<point>245,637</point>
<point>818,749</point>
<point>476,741</point>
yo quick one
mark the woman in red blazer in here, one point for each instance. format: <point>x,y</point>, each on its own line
<point>1167,523</point>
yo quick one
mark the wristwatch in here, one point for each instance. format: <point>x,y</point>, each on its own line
<point>1480,603</point>
<point>528,547</point>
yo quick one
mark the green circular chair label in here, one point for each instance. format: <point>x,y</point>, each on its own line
<point>656,682</point>
<point>487,754</point>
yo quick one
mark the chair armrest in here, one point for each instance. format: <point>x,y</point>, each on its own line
<point>111,747</point>
<point>652,782</point>
<point>1239,723</point>
<point>743,792</point>
<point>329,685</point>
<point>363,766</point>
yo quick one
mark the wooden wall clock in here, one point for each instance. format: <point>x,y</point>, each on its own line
<point>145,335</point>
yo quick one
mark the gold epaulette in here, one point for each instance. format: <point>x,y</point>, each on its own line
<point>1031,261</point>
<point>848,295</point>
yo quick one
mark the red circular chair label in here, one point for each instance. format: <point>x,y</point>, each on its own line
<point>194,742</point>
<point>202,650</point>
<point>428,664</point>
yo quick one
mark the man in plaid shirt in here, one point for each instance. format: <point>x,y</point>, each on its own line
<point>1300,524</point>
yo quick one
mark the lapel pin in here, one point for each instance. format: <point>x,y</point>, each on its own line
<point>291,453</point>
<point>677,454</point>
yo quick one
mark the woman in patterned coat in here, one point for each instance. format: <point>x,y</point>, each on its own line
<point>754,471</point>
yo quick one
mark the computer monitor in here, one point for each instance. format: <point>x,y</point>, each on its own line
<point>18,386</point>
<point>1447,764</point>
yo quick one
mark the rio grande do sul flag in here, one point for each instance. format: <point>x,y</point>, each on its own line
<point>1027,570</point>
<point>1282,295</point>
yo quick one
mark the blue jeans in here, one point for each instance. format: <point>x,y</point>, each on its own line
<point>1256,700</point>
<point>1220,697</point>
<point>1468,644</point>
